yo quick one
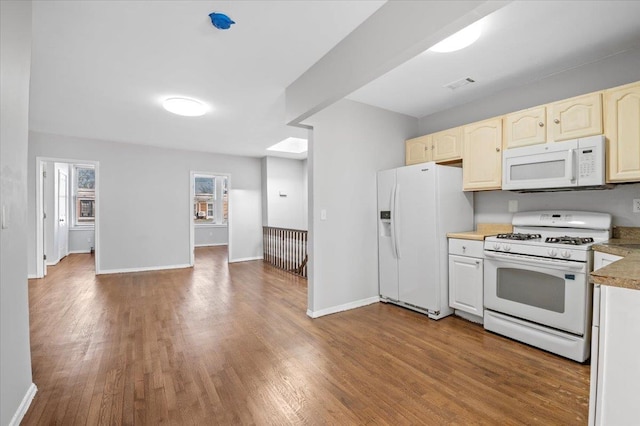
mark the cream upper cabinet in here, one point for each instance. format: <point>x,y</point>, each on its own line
<point>417,150</point>
<point>528,127</point>
<point>447,145</point>
<point>482,156</point>
<point>622,129</point>
<point>576,117</point>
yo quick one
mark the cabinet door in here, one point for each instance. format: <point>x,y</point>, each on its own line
<point>622,129</point>
<point>482,156</point>
<point>576,117</point>
<point>447,145</point>
<point>465,284</point>
<point>418,150</point>
<point>600,260</point>
<point>526,127</point>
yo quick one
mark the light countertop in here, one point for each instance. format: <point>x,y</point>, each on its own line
<point>484,230</point>
<point>625,272</point>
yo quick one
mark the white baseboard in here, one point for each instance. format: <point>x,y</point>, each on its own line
<point>79,251</point>
<point>345,307</point>
<point>32,277</point>
<point>53,263</point>
<point>245,259</point>
<point>211,245</point>
<point>143,269</point>
<point>24,405</point>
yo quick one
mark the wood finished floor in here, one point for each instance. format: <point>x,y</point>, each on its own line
<point>231,344</point>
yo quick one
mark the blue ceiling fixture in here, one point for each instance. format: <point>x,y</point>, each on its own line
<point>221,21</point>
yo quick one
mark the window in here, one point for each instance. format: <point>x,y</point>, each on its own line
<point>210,199</point>
<point>84,195</point>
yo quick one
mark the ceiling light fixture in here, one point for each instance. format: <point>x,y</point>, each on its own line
<point>459,40</point>
<point>184,106</point>
<point>290,145</point>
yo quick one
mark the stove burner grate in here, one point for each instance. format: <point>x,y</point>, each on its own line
<point>576,241</point>
<point>517,236</point>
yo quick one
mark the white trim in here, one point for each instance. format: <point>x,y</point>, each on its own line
<point>24,405</point>
<point>245,259</point>
<point>51,263</point>
<point>143,269</point>
<point>210,245</point>
<point>82,228</point>
<point>210,225</point>
<point>80,251</point>
<point>344,307</point>
<point>32,277</point>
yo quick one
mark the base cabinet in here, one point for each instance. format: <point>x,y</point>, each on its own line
<point>466,276</point>
<point>615,366</point>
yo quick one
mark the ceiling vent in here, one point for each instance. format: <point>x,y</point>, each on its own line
<point>459,83</point>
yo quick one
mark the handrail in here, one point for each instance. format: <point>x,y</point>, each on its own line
<point>286,249</point>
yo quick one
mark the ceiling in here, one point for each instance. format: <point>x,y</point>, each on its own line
<point>101,68</point>
<point>522,42</point>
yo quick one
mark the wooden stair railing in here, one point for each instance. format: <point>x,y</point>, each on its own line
<point>285,249</point>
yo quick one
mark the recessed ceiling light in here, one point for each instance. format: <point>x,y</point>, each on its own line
<point>291,145</point>
<point>459,40</point>
<point>184,106</point>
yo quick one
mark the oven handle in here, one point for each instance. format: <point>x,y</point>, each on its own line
<point>525,260</point>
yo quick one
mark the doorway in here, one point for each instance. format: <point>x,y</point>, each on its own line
<point>66,210</point>
<point>209,200</point>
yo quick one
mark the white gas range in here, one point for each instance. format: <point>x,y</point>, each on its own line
<point>536,280</point>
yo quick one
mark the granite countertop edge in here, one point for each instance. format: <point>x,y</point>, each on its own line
<point>624,273</point>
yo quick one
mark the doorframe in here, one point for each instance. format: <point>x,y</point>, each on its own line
<point>40,262</point>
<point>192,246</point>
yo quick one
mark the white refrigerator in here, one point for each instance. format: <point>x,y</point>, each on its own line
<point>417,206</point>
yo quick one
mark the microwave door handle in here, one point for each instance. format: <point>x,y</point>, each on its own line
<point>572,164</point>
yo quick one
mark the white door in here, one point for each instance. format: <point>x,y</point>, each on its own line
<point>63,207</point>
<point>387,260</point>
<point>417,247</point>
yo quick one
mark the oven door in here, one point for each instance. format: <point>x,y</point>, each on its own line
<point>550,292</point>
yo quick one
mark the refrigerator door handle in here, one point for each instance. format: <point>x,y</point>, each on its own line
<point>393,223</point>
<point>395,218</point>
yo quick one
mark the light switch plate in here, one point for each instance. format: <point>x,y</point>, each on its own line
<point>636,205</point>
<point>513,206</point>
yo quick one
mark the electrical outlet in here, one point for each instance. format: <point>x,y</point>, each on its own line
<point>636,205</point>
<point>513,206</point>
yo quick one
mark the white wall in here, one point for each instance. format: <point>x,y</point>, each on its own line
<point>491,206</point>
<point>350,142</point>
<point>285,176</point>
<point>143,206</point>
<point>210,235</point>
<point>81,240</point>
<point>15,61</point>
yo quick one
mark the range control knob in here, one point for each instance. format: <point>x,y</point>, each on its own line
<point>565,253</point>
<point>506,247</point>
<point>553,252</point>
<point>496,246</point>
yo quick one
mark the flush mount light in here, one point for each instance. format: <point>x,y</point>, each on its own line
<point>459,40</point>
<point>184,106</point>
<point>290,145</point>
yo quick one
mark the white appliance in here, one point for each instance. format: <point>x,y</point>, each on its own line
<point>417,206</point>
<point>572,164</point>
<point>536,280</point>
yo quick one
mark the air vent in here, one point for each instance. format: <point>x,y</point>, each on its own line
<point>459,83</point>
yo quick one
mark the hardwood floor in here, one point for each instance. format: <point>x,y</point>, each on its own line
<point>231,344</point>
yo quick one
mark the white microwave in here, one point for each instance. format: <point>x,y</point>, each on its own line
<point>572,164</point>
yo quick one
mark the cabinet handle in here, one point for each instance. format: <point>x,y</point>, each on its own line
<point>557,121</point>
<point>497,149</point>
<point>541,124</point>
<point>464,248</point>
<point>477,262</point>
